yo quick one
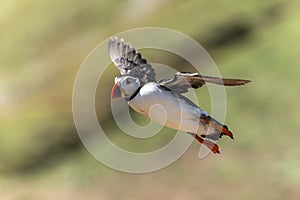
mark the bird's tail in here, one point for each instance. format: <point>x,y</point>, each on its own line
<point>215,130</point>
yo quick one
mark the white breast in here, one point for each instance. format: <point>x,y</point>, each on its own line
<point>167,108</point>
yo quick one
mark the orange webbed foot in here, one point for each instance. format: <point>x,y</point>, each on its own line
<point>212,146</point>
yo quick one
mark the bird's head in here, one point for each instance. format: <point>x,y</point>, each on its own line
<point>124,87</point>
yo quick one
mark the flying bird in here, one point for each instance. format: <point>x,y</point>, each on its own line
<point>138,86</point>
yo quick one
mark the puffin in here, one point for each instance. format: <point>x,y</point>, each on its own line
<point>162,101</point>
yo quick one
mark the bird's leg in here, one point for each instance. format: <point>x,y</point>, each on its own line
<point>218,126</point>
<point>212,146</point>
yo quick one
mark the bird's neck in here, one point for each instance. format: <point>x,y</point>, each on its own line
<point>134,94</point>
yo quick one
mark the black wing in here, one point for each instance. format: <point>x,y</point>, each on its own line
<point>129,61</point>
<point>182,81</point>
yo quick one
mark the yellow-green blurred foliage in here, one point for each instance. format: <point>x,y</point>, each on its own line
<point>42,46</point>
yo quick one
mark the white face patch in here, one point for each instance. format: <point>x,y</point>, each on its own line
<point>116,79</point>
<point>128,85</point>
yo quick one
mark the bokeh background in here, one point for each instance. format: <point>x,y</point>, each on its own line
<point>42,46</point>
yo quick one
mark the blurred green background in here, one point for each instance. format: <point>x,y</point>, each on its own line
<point>42,46</point>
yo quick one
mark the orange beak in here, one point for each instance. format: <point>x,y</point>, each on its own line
<point>116,92</point>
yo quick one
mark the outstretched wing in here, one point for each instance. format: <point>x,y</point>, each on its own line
<point>129,61</point>
<point>183,81</point>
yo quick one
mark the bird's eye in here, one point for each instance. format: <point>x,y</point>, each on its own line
<point>128,81</point>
